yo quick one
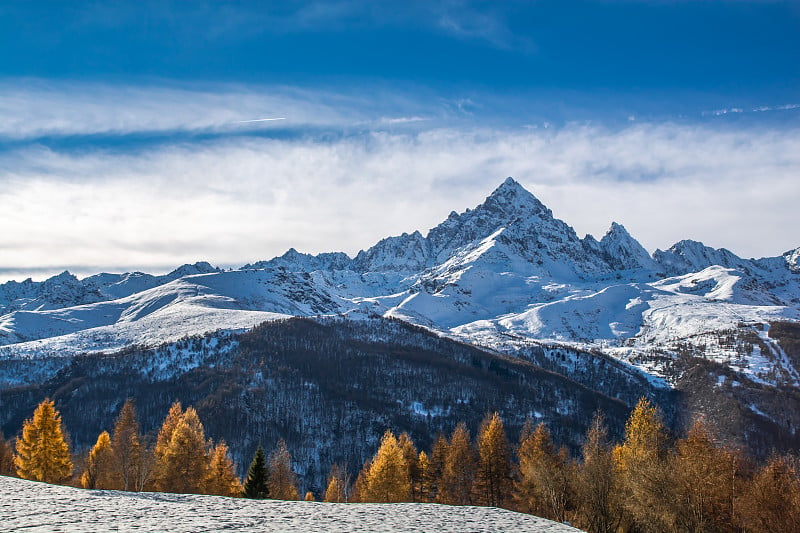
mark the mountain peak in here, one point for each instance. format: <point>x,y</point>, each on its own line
<point>617,229</point>
<point>510,187</point>
<point>623,251</point>
<point>512,198</point>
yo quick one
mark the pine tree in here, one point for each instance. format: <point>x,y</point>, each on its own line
<point>458,471</point>
<point>388,480</point>
<point>493,478</point>
<point>42,451</point>
<point>6,457</point>
<point>221,478</point>
<point>127,448</point>
<point>255,486</point>
<point>184,464</point>
<point>543,488</point>
<point>336,492</point>
<point>644,471</point>
<point>99,472</point>
<point>599,509</point>
<point>282,479</point>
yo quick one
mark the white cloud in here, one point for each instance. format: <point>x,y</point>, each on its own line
<point>236,200</point>
<point>33,108</point>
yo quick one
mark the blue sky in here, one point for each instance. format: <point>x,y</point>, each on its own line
<point>125,142</point>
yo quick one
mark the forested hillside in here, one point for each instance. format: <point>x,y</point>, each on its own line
<point>329,389</point>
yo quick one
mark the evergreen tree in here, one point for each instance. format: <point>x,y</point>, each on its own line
<point>282,481</point>
<point>255,486</point>
<point>388,480</point>
<point>458,471</point>
<point>42,451</point>
<point>336,492</point>
<point>493,478</point>
<point>644,470</point>
<point>598,505</point>
<point>99,471</point>
<point>221,479</point>
<point>184,464</point>
<point>127,448</point>
<point>543,487</point>
<point>6,457</point>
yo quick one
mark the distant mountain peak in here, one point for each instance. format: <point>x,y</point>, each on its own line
<point>512,198</point>
<point>793,259</point>
<point>623,251</point>
<point>200,267</point>
<point>617,229</point>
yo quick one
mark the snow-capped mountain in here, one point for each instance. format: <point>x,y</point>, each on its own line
<point>504,275</point>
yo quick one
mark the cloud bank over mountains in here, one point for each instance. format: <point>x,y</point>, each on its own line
<point>110,177</point>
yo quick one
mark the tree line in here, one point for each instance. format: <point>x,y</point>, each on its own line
<point>646,483</point>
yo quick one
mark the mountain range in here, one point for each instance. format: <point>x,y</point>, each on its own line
<point>503,272</point>
<point>506,277</point>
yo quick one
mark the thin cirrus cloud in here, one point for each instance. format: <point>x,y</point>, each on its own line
<point>233,200</point>
<point>33,109</point>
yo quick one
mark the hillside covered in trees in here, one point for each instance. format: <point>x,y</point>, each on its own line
<point>329,389</point>
<point>647,482</point>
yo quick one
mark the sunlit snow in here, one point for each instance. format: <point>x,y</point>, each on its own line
<point>39,507</point>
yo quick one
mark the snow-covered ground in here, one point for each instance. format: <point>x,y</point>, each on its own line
<point>39,507</point>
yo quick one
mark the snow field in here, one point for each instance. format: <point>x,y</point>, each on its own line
<point>39,507</point>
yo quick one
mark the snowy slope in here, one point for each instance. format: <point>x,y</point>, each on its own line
<point>504,272</point>
<point>41,507</point>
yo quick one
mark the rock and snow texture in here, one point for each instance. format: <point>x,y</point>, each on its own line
<point>39,507</point>
<point>505,272</point>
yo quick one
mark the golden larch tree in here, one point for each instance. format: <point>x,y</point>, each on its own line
<point>388,479</point>
<point>411,456</point>
<point>771,501</point>
<point>184,465</point>
<point>598,506</point>
<point>433,474</point>
<point>6,457</point>
<point>42,451</point>
<point>127,448</point>
<point>99,471</point>
<point>282,481</point>
<point>706,479</point>
<point>545,475</point>
<point>336,491</point>
<point>458,471</point>
<point>358,494</point>
<point>162,444</point>
<point>644,470</point>
<point>493,477</point>
<point>221,479</point>
<point>423,488</point>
